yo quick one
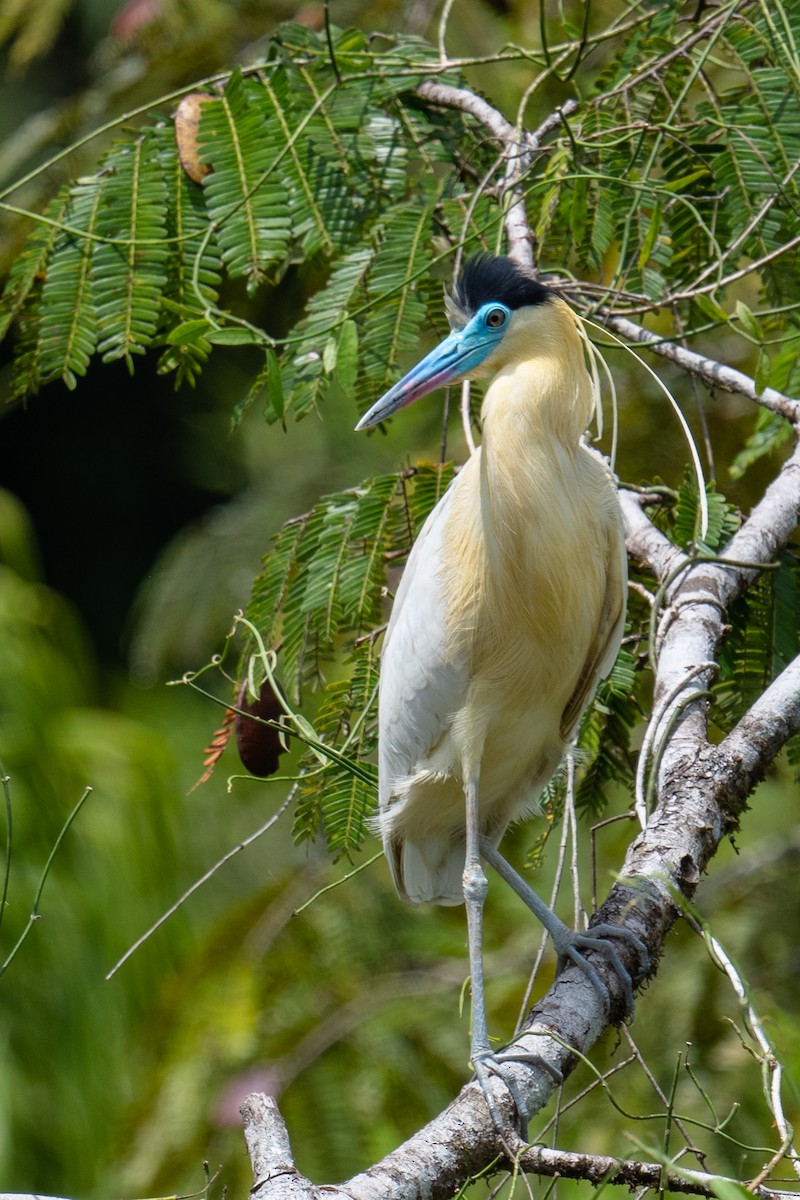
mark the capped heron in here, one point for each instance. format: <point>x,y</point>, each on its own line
<point>508,614</point>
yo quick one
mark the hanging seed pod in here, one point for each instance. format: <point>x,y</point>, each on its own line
<point>187,124</point>
<point>259,745</point>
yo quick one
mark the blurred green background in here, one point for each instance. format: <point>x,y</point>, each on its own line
<point>132,521</point>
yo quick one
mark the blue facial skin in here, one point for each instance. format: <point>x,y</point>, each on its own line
<point>461,352</point>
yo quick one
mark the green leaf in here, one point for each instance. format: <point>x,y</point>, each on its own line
<point>709,308</point>
<point>605,737</point>
<point>329,355</point>
<point>129,267</point>
<point>764,638</point>
<point>188,331</point>
<point>323,582</point>
<point>347,356</point>
<point>771,431</point>
<point>763,371</point>
<point>579,210</point>
<point>723,519</point>
<point>728,1189</point>
<point>31,261</point>
<point>397,290</point>
<point>653,230</point>
<point>69,327</point>
<point>275,406</point>
<point>305,381</point>
<point>749,320</point>
<point>245,195</point>
<point>235,336</point>
<point>195,268</point>
<point>337,800</point>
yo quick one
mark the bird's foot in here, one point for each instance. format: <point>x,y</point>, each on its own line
<point>487,1062</point>
<point>570,944</point>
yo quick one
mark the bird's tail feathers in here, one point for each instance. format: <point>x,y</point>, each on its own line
<point>427,874</point>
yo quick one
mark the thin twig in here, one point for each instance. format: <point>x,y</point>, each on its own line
<point>198,883</point>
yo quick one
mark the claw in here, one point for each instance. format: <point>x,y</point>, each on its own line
<point>569,944</point>
<point>596,938</point>
<point>486,1062</point>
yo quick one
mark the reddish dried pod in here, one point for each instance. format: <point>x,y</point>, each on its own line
<point>259,746</point>
<point>214,751</point>
<point>187,124</point>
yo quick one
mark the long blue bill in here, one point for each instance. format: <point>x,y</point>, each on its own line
<point>459,353</point>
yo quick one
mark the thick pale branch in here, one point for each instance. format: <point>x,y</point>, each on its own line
<point>518,146</point>
<point>447,96</point>
<point>667,859</point>
<point>702,790</point>
<point>769,526</point>
<point>714,374</point>
<point>516,151</point>
<point>263,1124</point>
<point>647,545</point>
<point>763,730</point>
<point>601,1169</point>
<point>693,621</point>
<point>274,1172</point>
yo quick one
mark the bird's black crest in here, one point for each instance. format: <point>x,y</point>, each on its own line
<point>486,278</point>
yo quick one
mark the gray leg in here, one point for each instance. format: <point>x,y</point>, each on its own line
<point>568,943</point>
<point>485,1061</point>
<point>475,887</point>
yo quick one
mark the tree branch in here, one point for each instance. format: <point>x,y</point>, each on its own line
<point>769,723</point>
<point>713,374</point>
<point>647,545</point>
<point>265,1133</point>
<point>519,148</point>
<point>769,526</point>
<point>601,1169</point>
<point>665,861</point>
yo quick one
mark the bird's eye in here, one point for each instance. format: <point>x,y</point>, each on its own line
<point>496,317</point>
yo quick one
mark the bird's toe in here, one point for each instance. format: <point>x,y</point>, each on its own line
<point>599,937</point>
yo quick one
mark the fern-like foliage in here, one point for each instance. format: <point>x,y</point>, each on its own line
<point>130,272</point>
<point>723,519</point>
<point>320,595</point>
<point>606,756</point>
<point>763,624</point>
<point>320,155</point>
<point>332,797</point>
<point>324,346</point>
<point>764,638</point>
<point>672,179</point>
<point>68,311</point>
<point>309,161</point>
<point>676,159</point>
<point>245,196</point>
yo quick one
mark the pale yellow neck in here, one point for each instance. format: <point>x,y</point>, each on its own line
<point>545,396</point>
<point>524,499</point>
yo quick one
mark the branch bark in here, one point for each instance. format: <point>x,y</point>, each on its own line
<point>714,374</point>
